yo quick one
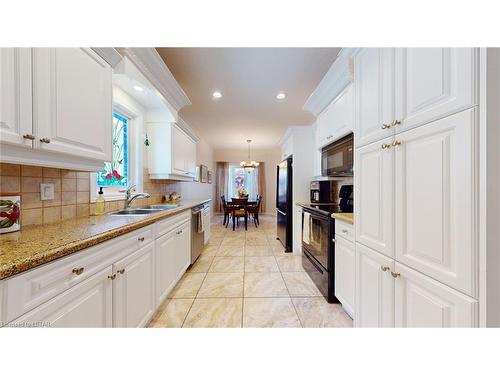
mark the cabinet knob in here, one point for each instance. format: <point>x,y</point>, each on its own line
<point>29,136</point>
<point>395,274</point>
<point>397,122</point>
<point>112,277</point>
<point>386,145</point>
<point>122,271</point>
<point>44,140</point>
<point>397,143</point>
<point>386,126</point>
<point>384,268</point>
<point>345,231</point>
<point>141,239</point>
<point>78,271</point>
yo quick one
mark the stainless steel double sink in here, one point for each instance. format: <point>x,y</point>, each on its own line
<point>145,210</point>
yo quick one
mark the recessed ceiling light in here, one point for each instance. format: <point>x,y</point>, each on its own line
<point>281,96</point>
<point>138,88</point>
<point>216,95</point>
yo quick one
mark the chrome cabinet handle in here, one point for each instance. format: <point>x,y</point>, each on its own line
<point>122,271</point>
<point>345,231</point>
<point>386,126</point>
<point>44,140</point>
<point>397,122</point>
<point>78,271</point>
<point>397,143</point>
<point>333,240</point>
<point>141,239</point>
<point>386,145</point>
<point>384,268</point>
<point>112,277</point>
<point>179,232</point>
<point>29,136</point>
<point>330,136</point>
<point>395,274</point>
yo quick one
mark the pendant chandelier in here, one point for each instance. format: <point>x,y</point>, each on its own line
<point>249,165</point>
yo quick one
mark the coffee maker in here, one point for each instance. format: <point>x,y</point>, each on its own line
<point>323,191</point>
<point>346,198</point>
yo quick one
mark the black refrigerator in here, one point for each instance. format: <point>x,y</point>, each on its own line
<point>284,204</point>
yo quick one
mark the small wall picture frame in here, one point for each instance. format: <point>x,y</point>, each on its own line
<point>197,174</point>
<point>209,177</point>
<point>203,173</point>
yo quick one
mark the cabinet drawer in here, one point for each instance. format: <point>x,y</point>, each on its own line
<point>30,289</point>
<point>166,225</point>
<point>344,229</point>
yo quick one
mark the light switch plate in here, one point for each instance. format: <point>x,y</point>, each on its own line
<point>46,192</point>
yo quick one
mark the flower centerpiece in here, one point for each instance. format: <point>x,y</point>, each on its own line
<point>242,193</point>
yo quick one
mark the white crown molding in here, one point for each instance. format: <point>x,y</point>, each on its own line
<point>109,54</point>
<point>150,63</point>
<point>181,123</point>
<point>290,130</point>
<point>334,81</point>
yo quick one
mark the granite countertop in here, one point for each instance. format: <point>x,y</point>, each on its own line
<point>348,217</point>
<point>39,244</point>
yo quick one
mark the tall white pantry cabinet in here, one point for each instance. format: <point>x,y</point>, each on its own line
<point>416,192</point>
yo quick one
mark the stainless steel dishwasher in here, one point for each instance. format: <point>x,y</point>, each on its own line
<point>197,232</point>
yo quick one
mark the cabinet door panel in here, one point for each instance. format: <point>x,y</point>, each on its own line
<point>374,192</point>
<point>178,151</point>
<point>133,289</point>
<point>15,96</point>
<point>433,83</point>
<point>345,265</point>
<point>165,267</point>
<point>425,302</point>
<point>374,93</point>
<point>374,289</point>
<point>72,102</point>
<point>88,304</point>
<point>435,197</point>
<point>182,255</point>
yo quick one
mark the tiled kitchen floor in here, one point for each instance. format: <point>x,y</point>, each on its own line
<point>245,279</point>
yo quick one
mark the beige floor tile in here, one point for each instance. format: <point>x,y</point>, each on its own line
<point>233,241</point>
<point>227,264</point>
<point>252,241</point>
<point>299,284</point>
<point>268,284</point>
<point>279,251</point>
<point>188,286</point>
<point>317,313</point>
<point>215,313</point>
<point>215,241</point>
<point>261,264</point>
<point>172,313</point>
<point>269,313</point>
<point>222,285</point>
<point>210,250</point>
<point>290,263</point>
<point>202,264</point>
<point>258,250</point>
<point>231,251</point>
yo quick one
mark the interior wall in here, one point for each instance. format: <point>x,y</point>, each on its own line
<point>270,157</point>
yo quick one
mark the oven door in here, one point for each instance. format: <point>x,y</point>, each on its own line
<point>315,237</point>
<point>337,159</point>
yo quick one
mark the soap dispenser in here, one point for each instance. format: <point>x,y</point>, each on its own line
<point>100,203</point>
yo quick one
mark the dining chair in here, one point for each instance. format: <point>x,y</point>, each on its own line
<point>254,210</point>
<point>227,209</point>
<point>239,209</point>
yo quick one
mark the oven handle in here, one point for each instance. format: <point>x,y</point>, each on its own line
<point>313,263</point>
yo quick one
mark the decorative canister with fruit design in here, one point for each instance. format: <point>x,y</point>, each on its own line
<point>10,211</point>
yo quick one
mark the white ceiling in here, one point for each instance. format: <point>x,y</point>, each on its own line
<point>249,79</point>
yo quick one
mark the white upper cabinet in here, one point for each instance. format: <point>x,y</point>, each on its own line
<point>374,94</point>
<point>423,302</point>
<point>133,289</point>
<point>337,119</point>
<point>374,192</point>
<point>15,97</point>
<point>172,153</point>
<point>432,83</point>
<point>374,289</point>
<point>72,102</point>
<point>434,198</point>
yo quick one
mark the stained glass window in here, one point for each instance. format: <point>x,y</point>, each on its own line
<point>239,179</point>
<point>116,172</point>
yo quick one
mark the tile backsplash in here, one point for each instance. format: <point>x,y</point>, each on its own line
<point>71,192</point>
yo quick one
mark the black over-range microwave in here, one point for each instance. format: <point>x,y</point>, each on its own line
<point>337,158</point>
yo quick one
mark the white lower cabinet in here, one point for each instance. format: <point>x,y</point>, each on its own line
<point>345,264</point>
<point>133,288</point>
<point>374,289</point>
<point>425,302</point>
<point>87,304</point>
<point>297,230</point>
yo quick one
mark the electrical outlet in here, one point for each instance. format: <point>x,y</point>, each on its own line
<point>46,192</point>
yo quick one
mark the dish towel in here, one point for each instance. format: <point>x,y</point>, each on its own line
<point>201,222</point>
<point>307,228</point>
